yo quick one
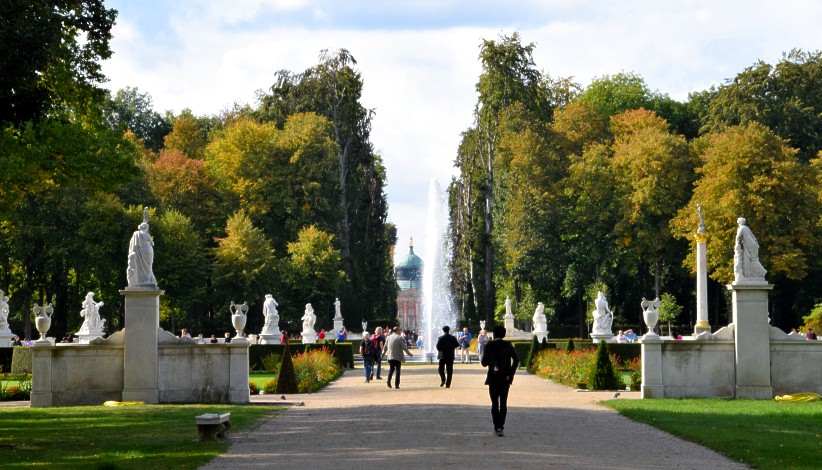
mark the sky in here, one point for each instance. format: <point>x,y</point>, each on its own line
<point>419,59</point>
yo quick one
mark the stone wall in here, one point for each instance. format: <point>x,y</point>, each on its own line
<point>80,374</point>
<point>796,366</point>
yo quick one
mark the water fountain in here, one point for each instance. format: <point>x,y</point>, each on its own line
<point>438,307</point>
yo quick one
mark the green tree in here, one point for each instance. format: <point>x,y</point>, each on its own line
<point>129,109</point>
<point>51,59</point>
<point>602,375</point>
<point>669,310</point>
<point>189,134</point>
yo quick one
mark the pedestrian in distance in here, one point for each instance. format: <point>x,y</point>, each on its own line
<point>378,340</point>
<point>501,360</point>
<point>464,340</point>
<point>367,351</point>
<point>446,345</point>
<point>395,350</point>
<point>482,340</point>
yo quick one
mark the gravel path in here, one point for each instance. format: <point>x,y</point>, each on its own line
<point>351,424</point>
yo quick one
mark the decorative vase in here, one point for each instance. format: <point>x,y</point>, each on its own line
<point>42,319</point>
<point>650,313</point>
<point>238,317</point>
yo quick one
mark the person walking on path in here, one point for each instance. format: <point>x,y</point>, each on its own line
<point>464,339</point>
<point>482,340</point>
<point>367,351</point>
<point>446,346</point>
<point>501,360</point>
<point>395,351</point>
<point>378,343</point>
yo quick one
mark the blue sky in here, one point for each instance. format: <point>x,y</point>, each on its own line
<point>419,58</point>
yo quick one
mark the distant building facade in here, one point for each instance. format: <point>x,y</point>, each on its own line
<point>409,298</point>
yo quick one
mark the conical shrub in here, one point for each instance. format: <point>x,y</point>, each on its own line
<point>602,375</point>
<point>532,353</point>
<point>570,346</point>
<point>287,380</point>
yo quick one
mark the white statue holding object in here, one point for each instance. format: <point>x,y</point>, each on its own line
<point>540,322</point>
<point>747,268</point>
<point>5,332</point>
<point>93,325</point>
<point>141,257</point>
<point>271,327</point>
<point>508,319</point>
<point>338,318</point>
<point>309,318</point>
<point>603,319</point>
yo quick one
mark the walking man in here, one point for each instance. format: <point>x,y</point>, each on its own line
<point>446,346</point>
<point>378,343</point>
<point>464,340</point>
<point>395,351</point>
<point>366,349</point>
<point>501,360</point>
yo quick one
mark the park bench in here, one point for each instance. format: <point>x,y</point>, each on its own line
<point>212,426</point>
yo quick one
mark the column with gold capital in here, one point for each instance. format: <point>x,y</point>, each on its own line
<point>702,324</point>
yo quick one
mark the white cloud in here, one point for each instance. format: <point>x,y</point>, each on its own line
<point>421,82</point>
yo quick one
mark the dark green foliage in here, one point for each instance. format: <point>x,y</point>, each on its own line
<point>6,355</point>
<point>21,360</point>
<point>344,353</point>
<point>602,374</point>
<point>287,380</point>
<point>532,353</point>
<point>625,352</point>
<point>570,345</point>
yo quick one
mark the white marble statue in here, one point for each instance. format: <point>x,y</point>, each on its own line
<point>271,327</point>
<point>141,257</point>
<point>540,322</point>
<point>603,318</point>
<point>339,321</point>
<point>701,228</point>
<point>93,325</point>
<point>5,332</point>
<point>747,267</point>
<point>309,319</point>
<point>650,313</point>
<point>508,319</point>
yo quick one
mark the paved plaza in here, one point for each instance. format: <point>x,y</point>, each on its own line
<point>352,424</point>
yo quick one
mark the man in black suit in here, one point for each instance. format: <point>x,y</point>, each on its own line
<point>446,346</point>
<point>501,360</point>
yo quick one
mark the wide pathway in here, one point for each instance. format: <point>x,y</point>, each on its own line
<point>352,424</point>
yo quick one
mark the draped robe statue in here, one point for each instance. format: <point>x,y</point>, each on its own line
<point>4,313</point>
<point>272,317</point>
<point>92,323</point>
<point>308,319</point>
<point>746,255</point>
<point>141,257</point>
<point>603,318</point>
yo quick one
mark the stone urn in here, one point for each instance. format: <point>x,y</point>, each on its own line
<point>650,313</point>
<point>238,317</point>
<point>42,319</point>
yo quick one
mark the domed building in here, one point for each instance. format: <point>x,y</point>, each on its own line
<point>409,298</point>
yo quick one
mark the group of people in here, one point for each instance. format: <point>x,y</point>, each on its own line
<point>497,355</point>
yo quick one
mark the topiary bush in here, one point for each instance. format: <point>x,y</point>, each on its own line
<point>287,379</point>
<point>21,360</point>
<point>252,388</point>
<point>602,374</point>
<point>569,347</point>
<point>532,354</point>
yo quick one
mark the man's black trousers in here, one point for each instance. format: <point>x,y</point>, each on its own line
<point>499,402</point>
<point>446,370</point>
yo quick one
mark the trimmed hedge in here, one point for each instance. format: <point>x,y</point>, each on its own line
<point>21,360</point>
<point>343,352</point>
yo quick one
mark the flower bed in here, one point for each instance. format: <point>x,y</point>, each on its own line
<point>314,370</point>
<point>573,368</point>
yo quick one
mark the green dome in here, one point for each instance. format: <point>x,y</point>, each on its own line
<point>409,271</point>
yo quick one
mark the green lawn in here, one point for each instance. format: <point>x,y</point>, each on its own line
<point>156,437</point>
<point>763,434</point>
<point>260,378</point>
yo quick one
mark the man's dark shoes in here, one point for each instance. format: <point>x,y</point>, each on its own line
<point>442,384</point>
<point>389,384</point>
<point>499,433</point>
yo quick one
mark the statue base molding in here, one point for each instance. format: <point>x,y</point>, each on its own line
<point>309,337</point>
<point>275,338</point>
<point>597,337</point>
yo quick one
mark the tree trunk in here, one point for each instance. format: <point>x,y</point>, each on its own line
<point>656,278</point>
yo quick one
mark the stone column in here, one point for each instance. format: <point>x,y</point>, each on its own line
<point>141,357</point>
<point>42,393</point>
<point>238,391</point>
<point>702,324</point>
<point>652,384</point>
<point>752,340</point>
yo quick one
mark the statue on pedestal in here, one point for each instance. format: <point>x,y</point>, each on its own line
<point>540,322</point>
<point>747,267</point>
<point>309,318</point>
<point>603,318</point>
<point>271,327</point>
<point>338,318</point>
<point>93,325</point>
<point>141,257</point>
<point>508,319</point>
<point>5,332</point>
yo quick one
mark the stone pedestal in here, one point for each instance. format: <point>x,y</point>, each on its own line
<point>41,384</point>
<point>84,337</point>
<point>597,337</point>
<point>702,325</point>
<point>238,392</point>
<point>652,384</point>
<point>6,339</point>
<point>752,340</point>
<point>309,337</point>
<point>338,325</point>
<point>142,325</point>
<point>271,338</point>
